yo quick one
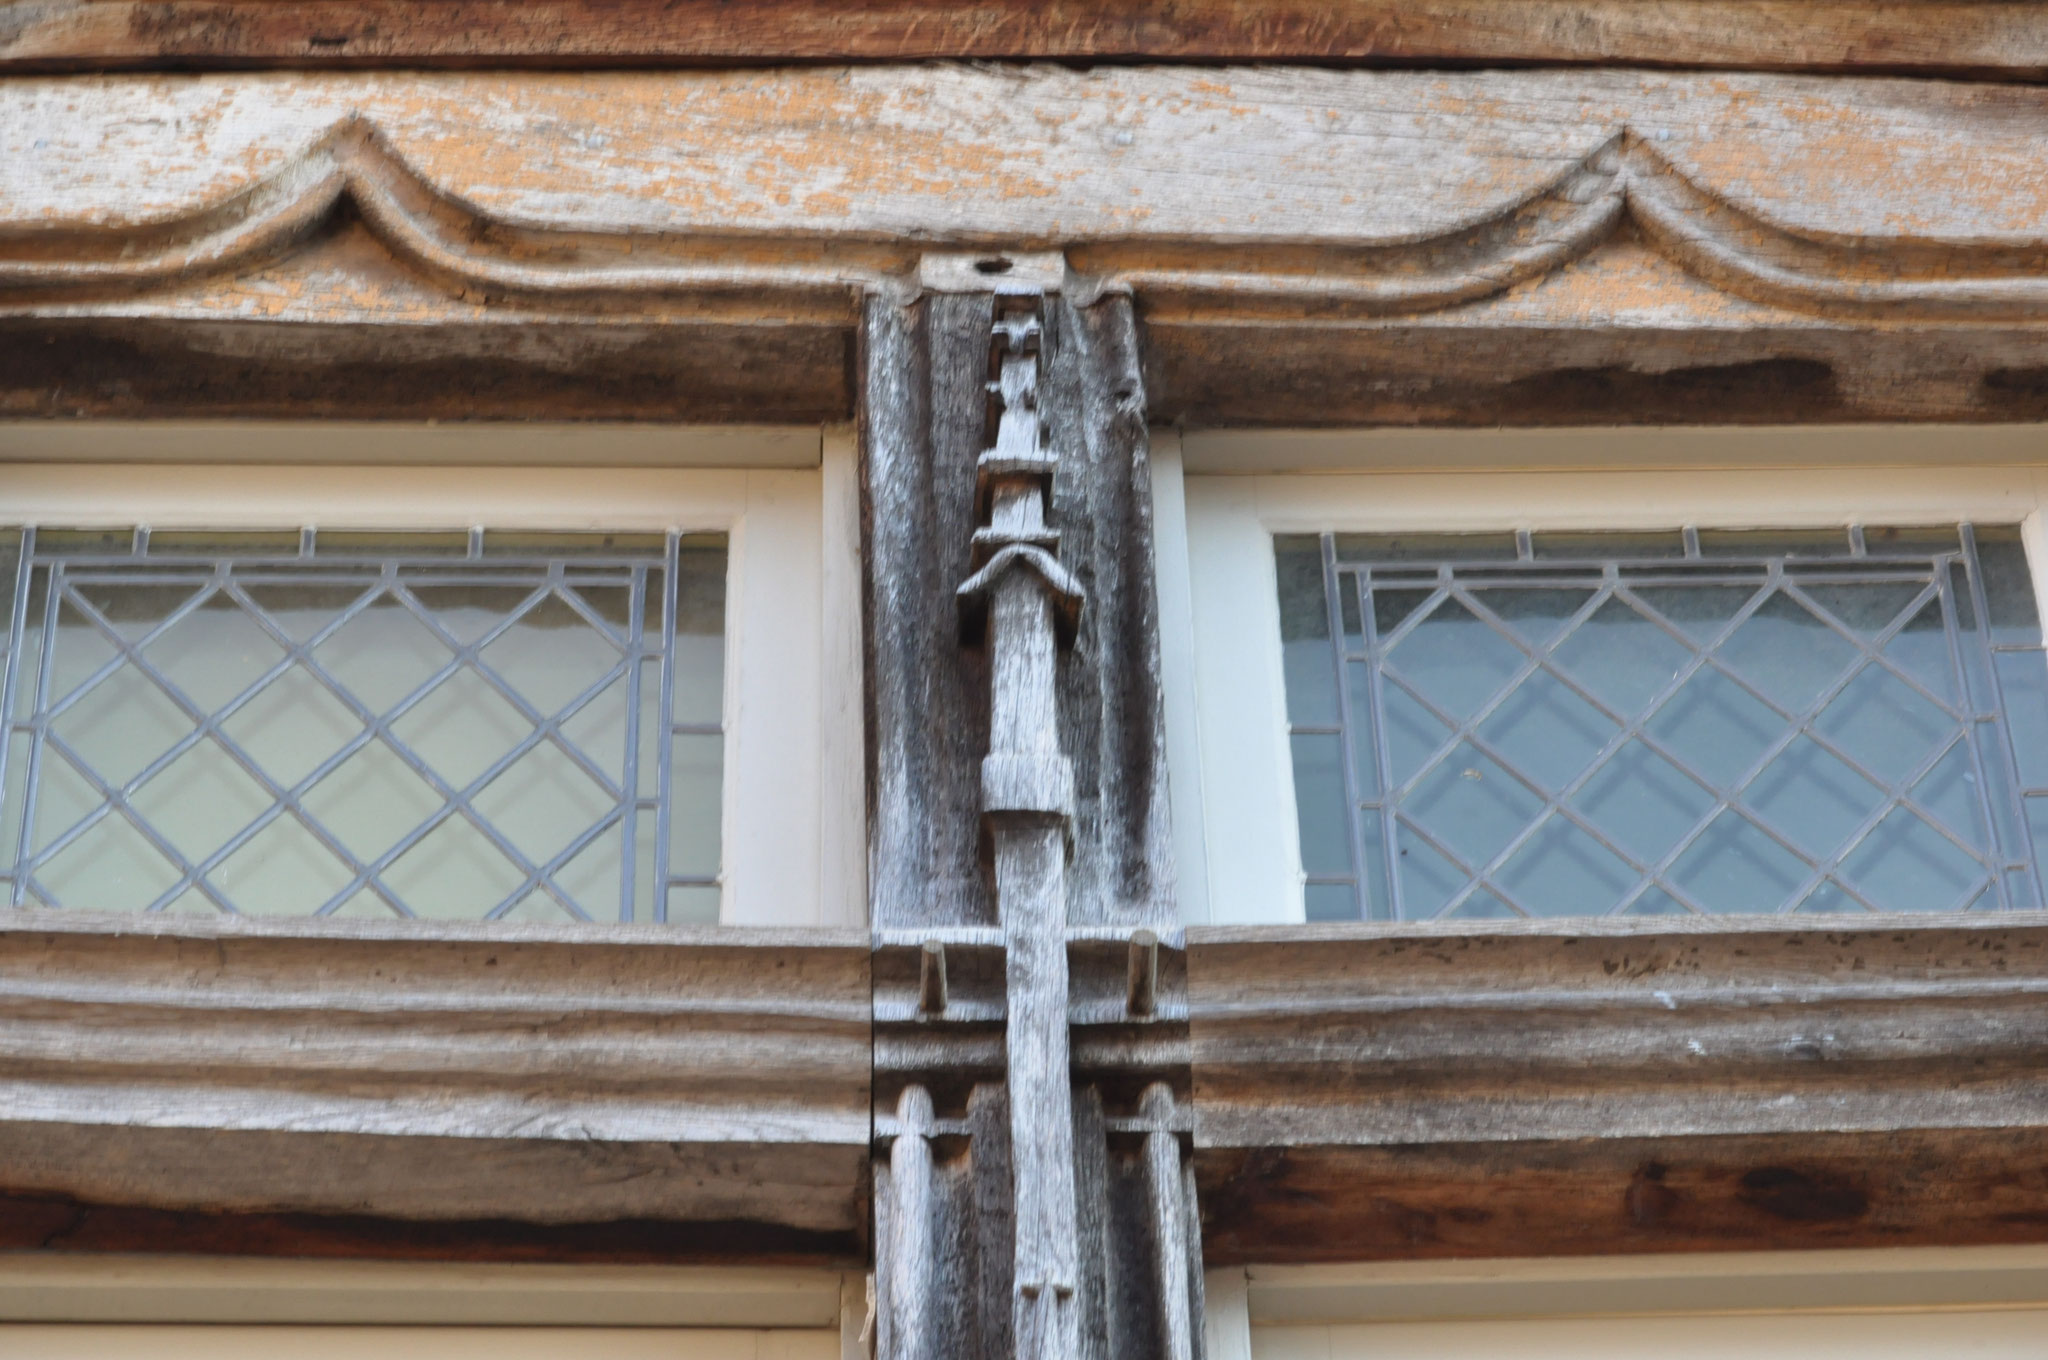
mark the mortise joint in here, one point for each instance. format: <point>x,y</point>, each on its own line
<point>931,978</point>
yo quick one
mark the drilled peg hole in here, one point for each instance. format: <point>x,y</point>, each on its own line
<point>995,264</point>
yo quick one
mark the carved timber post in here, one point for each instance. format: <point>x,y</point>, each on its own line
<point>1027,797</point>
<point>1033,1197</point>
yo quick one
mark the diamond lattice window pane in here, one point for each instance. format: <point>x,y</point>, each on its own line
<point>1813,798</point>
<point>1453,660</point>
<point>1562,870</point>
<point>1906,865</point>
<point>292,726</point>
<point>1642,803</point>
<point>441,726</point>
<point>1622,657</point>
<point>1549,731</point>
<point>214,652</point>
<point>1660,724</point>
<point>555,654</point>
<point>1471,805</point>
<point>383,654</point>
<point>120,726</point>
<point>1715,727</point>
<point>1784,650</point>
<point>1735,867</point>
<point>115,862</point>
<point>201,800</point>
<point>1885,725</point>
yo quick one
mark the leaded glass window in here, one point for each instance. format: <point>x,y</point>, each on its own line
<point>1584,724</point>
<point>312,723</point>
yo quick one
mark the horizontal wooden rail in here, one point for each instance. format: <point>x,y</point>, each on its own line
<point>1369,1093</point>
<point>1966,38</point>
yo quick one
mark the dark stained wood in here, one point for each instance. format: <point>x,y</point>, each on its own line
<point>1980,38</point>
<point>1914,1187</point>
<point>58,1223</point>
<point>114,369</point>
<point>1375,1092</point>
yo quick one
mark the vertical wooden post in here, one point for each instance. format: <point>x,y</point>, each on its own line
<point>1017,805</point>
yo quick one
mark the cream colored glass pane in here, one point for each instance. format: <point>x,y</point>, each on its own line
<point>696,776</point>
<point>451,739</point>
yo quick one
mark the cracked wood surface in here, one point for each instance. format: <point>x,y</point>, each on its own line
<point>447,1075</point>
<point>1980,38</point>
<point>1586,1087</point>
<point>1302,246</point>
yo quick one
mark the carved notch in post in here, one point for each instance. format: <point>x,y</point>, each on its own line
<point>1019,597</point>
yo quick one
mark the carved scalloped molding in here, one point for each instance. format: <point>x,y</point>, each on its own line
<point>455,246</point>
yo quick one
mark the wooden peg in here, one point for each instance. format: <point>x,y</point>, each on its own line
<point>1141,993</point>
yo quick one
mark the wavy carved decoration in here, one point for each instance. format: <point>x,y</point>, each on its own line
<point>439,237</point>
<point>472,256</point>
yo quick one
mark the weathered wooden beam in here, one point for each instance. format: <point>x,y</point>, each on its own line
<point>64,1223</point>
<point>1584,1087</point>
<point>1300,247</point>
<point>1911,1187</point>
<point>444,1075</point>
<point>1979,38</point>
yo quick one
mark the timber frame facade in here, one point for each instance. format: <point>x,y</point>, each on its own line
<point>1026,1097</point>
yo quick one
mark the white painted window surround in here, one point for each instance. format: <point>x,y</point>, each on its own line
<point>1986,1303</point>
<point>1221,496</point>
<point>197,1308</point>
<point>793,849</point>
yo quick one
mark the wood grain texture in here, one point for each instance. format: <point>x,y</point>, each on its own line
<point>1031,1201</point>
<point>1968,37</point>
<point>64,1223</point>
<point>1362,193</point>
<point>1917,1187</point>
<point>1336,1035</point>
<point>1301,246</point>
<point>924,417</point>
<point>550,1076</point>
<point>1364,1094</point>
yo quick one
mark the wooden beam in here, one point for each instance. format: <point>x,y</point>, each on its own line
<point>1912,1187</point>
<point>1976,38</point>
<point>58,1223</point>
<point>1377,1091</point>
<point>436,1072</point>
<point>1302,247</point>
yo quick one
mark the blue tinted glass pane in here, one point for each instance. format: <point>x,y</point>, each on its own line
<point>1305,653</point>
<point>1321,810</point>
<point>1330,902</point>
<point>1792,720</point>
<point>2023,684</point>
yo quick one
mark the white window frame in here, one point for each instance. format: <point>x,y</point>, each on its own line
<point>169,1307</point>
<point>1226,702</point>
<point>1757,1305</point>
<point>793,847</point>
